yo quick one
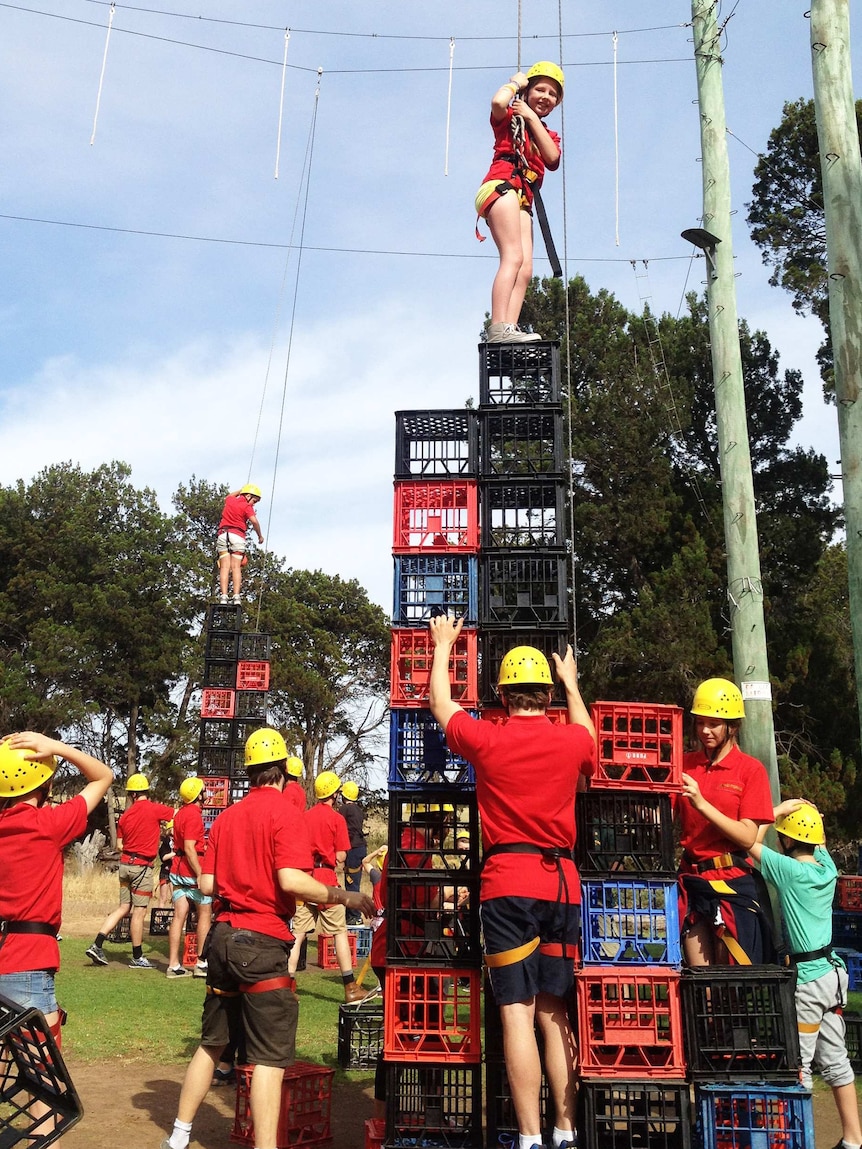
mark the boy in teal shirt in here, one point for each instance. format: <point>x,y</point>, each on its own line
<point>805,877</point>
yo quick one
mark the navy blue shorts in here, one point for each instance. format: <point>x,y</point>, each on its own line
<point>508,923</point>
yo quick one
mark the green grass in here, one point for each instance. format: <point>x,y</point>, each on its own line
<point>120,1014</point>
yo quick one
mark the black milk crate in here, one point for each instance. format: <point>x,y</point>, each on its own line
<point>215,732</point>
<point>39,1101</point>
<point>120,933</point>
<point>847,930</point>
<point>617,1114</point>
<point>519,374</point>
<point>739,1023</point>
<point>433,1106</point>
<point>242,729</point>
<point>222,646</point>
<point>630,918</point>
<point>220,672</point>
<point>208,817</point>
<point>501,1122</point>
<point>521,443</point>
<point>160,920</point>
<point>221,761</point>
<point>423,828</point>
<point>428,584</point>
<point>251,704</point>
<point>754,1117</point>
<point>628,832</point>
<point>254,647</point>
<point>436,444</point>
<point>224,619</point>
<point>239,787</point>
<point>523,589</point>
<point>419,758</point>
<point>522,514</point>
<point>424,927</point>
<point>494,642</point>
<point>853,1038</point>
<point>360,1034</point>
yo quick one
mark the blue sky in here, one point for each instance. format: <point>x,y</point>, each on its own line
<point>184,356</point>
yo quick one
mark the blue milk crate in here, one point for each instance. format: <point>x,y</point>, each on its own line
<point>853,960</point>
<point>847,929</point>
<point>760,1117</point>
<point>630,919</point>
<point>425,583</point>
<point>419,758</point>
<point>363,940</point>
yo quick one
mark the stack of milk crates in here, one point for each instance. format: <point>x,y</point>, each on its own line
<point>628,993</point>
<point>847,938</point>
<point>432,997</point>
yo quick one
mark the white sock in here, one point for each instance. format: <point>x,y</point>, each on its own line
<point>181,1134</point>
<point>528,1140</point>
<point>561,1135</point>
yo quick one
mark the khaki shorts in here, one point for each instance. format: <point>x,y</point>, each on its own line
<point>136,885</point>
<point>325,919</point>
<point>229,543</point>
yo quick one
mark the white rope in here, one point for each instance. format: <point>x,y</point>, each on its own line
<point>616,149</point>
<point>102,75</point>
<point>449,104</point>
<point>281,100</point>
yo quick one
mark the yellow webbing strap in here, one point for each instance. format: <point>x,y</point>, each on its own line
<point>510,957</point>
<point>735,949</point>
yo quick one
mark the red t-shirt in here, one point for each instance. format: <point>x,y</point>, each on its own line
<point>294,793</point>
<point>738,786</point>
<point>188,825</point>
<point>501,169</point>
<point>327,832</point>
<point>248,843</point>
<point>527,771</point>
<point>32,841</point>
<point>139,830</point>
<point>236,514</point>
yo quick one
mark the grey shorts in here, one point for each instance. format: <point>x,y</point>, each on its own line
<point>822,1029</point>
<point>229,543</point>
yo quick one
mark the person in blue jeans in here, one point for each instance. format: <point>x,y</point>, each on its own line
<point>805,877</point>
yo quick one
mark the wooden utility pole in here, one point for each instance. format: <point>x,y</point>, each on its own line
<point>841,168</point>
<point>744,586</point>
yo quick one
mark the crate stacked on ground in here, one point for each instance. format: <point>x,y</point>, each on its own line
<point>628,985</point>
<point>233,704</point>
<point>847,923</point>
<point>432,1008</point>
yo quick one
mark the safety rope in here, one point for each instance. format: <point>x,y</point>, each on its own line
<point>449,104</point>
<point>301,201</point>
<point>102,73</point>
<point>281,100</point>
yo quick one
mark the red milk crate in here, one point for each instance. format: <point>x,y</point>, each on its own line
<point>556,714</point>
<point>436,517</point>
<point>640,746</point>
<point>375,1132</point>
<point>629,1022</point>
<point>306,1106</point>
<point>216,793</point>
<point>326,958</point>
<point>190,949</point>
<point>217,703</point>
<point>411,656</point>
<point>432,1015</point>
<point>252,675</point>
<point>848,893</point>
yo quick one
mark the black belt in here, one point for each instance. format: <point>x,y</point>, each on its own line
<point>548,853</point>
<point>140,857</point>
<point>810,955</point>
<point>7,927</point>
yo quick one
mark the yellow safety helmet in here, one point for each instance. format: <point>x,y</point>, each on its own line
<point>525,666</point>
<point>718,698</point>
<point>19,775</point>
<point>250,489</point>
<point>350,791</point>
<point>264,747</point>
<point>381,857</point>
<point>551,72</point>
<point>137,783</point>
<point>294,767</point>
<point>191,788</point>
<point>803,825</point>
<point>326,784</point>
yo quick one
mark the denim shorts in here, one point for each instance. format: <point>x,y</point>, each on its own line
<point>185,887</point>
<point>33,989</point>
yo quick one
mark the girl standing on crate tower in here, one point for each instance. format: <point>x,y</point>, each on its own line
<point>231,546</point>
<point>523,149</point>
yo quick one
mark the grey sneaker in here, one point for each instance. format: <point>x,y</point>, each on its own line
<point>140,963</point>
<point>176,971</point>
<point>96,955</point>
<point>502,333</point>
<point>200,969</point>
<point>528,336</point>
<point>222,599</point>
<point>237,601</point>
